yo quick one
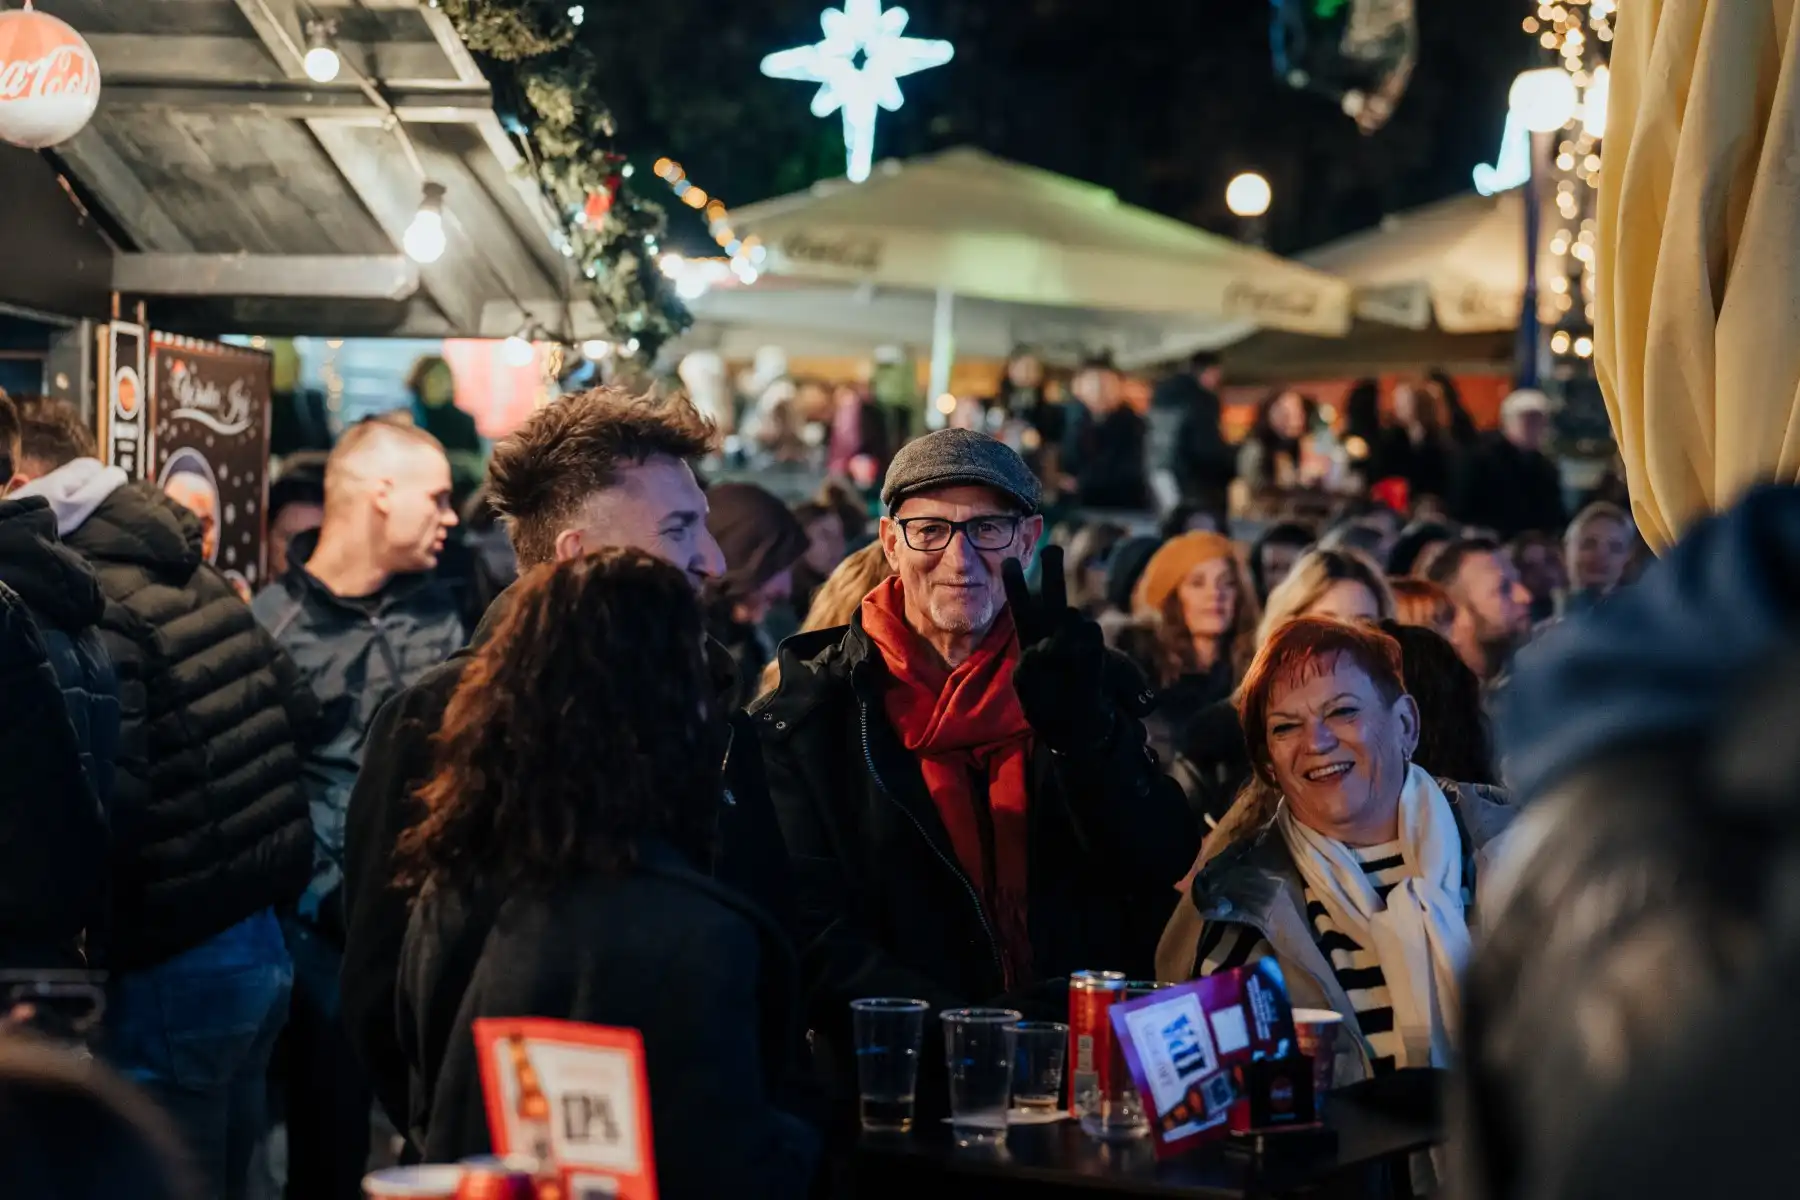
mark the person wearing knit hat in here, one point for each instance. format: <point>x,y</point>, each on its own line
<point>762,541</point>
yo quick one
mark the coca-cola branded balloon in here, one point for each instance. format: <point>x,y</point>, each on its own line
<point>49,80</point>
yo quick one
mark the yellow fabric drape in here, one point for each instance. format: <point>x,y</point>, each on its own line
<point>1698,276</point>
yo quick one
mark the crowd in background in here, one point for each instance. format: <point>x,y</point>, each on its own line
<point>222,796</point>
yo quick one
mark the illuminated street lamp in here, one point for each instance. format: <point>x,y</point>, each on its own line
<point>1249,195</point>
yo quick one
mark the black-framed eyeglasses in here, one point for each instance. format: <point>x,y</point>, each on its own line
<point>930,534</point>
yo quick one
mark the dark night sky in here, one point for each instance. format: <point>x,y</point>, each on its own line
<point>1161,100</point>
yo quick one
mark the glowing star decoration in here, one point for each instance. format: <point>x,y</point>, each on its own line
<point>859,66</point>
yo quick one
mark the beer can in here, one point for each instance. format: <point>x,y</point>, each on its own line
<point>1091,997</point>
<point>491,1178</point>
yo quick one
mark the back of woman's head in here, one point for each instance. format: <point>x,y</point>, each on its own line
<point>1423,603</point>
<point>1454,742</point>
<point>585,724</point>
<point>1317,572</point>
<point>72,1130</point>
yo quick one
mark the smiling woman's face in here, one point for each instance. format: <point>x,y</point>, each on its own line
<point>1339,751</point>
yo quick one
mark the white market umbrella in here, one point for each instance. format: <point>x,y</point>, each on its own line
<point>964,224</point>
<point>1460,262</point>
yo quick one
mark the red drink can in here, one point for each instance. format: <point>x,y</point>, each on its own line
<point>1091,997</point>
<point>491,1178</point>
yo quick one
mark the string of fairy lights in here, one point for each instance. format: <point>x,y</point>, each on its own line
<point>1578,33</point>
<point>744,256</point>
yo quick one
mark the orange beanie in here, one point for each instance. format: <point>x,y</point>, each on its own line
<point>1171,564</point>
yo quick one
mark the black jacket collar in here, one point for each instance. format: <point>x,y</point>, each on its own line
<point>137,524</point>
<point>56,583</point>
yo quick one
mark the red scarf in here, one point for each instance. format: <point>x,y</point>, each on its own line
<point>958,724</point>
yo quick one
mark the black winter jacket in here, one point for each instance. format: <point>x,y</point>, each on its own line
<point>752,858</point>
<point>1511,491</point>
<point>702,974</point>
<point>355,656</point>
<point>64,598</point>
<point>52,832</point>
<point>212,827</point>
<point>885,910</point>
<point>1185,440</point>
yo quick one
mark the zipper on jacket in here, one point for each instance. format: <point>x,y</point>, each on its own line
<point>961,876</point>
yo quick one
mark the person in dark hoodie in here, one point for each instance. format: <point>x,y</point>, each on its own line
<point>1104,443</point>
<point>577,790</point>
<point>595,469</point>
<point>364,618</point>
<point>1190,460</point>
<point>209,823</point>
<point>1652,739</point>
<point>58,758</point>
<point>762,542</point>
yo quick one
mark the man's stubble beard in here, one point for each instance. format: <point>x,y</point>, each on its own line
<point>959,618</point>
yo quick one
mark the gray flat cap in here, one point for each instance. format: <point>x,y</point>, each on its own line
<point>955,458</point>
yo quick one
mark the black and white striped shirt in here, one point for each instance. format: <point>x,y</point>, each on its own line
<point>1224,946</point>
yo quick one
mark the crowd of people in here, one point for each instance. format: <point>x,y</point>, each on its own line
<point>688,759</point>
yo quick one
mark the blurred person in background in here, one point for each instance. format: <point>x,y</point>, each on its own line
<point>1270,460</point>
<point>1423,603</point>
<point>1363,428</point>
<point>1463,430</point>
<point>762,542</point>
<point>1538,559</point>
<point>1089,558</point>
<point>1419,540</point>
<point>826,545</point>
<point>364,617</point>
<point>296,506</point>
<point>859,430</point>
<point>1454,739</point>
<point>1416,444</point>
<point>836,601</point>
<point>1493,609</point>
<point>1347,861</point>
<point>1363,536</point>
<point>1192,518</point>
<point>1600,541</point>
<point>59,735</point>
<point>210,832</point>
<point>1507,483</point>
<point>576,795</point>
<point>851,506</point>
<point>1273,555</point>
<point>1104,446</point>
<point>1341,584</point>
<point>72,1130</point>
<point>1190,461</point>
<point>492,565</point>
<point>434,410</point>
<point>1044,420</point>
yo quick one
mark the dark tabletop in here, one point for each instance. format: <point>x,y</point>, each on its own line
<point>1377,1125</point>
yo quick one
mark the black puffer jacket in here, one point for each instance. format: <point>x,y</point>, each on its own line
<point>52,834</point>
<point>884,908</point>
<point>64,597</point>
<point>214,827</point>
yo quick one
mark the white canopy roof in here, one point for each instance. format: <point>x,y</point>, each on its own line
<point>1461,261</point>
<point>986,229</point>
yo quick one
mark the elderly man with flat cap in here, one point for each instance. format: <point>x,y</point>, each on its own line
<point>960,773</point>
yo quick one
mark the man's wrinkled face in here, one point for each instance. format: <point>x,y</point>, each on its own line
<point>957,588</point>
<point>657,507</point>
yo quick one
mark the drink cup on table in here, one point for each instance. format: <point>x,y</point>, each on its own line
<point>1091,997</point>
<point>1042,1047</point>
<point>979,1047</point>
<point>1119,1116</point>
<point>429,1182</point>
<point>1316,1036</point>
<point>888,1032</point>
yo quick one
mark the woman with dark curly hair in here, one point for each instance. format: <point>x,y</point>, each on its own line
<point>1454,742</point>
<point>568,827</point>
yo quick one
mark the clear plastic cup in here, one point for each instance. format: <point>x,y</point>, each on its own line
<point>1042,1049</point>
<point>888,1034</point>
<point>979,1046</point>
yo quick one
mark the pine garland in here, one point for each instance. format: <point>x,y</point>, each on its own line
<point>537,60</point>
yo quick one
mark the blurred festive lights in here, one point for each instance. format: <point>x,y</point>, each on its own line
<point>1544,100</point>
<point>695,277</point>
<point>858,66</point>
<point>1249,195</point>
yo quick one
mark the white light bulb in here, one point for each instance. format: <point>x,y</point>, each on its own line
<point>425,241</point>
<point>1544,100</point>
<point>577,14</point>
<point>515,351</point>
<point>1249,195</point>
<point>595,349</point>
<point>322,64</point>
<point>631,346</point>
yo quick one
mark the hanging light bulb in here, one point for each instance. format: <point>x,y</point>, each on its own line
<point>595,349</point>
<point>517,350</point>
<point>425,241</point>
<point>322,62</point>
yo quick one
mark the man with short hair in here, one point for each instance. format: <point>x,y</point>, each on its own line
<point>209,821</point>
<point>1493,609</point>
<point>1507,483</point>
<point>596,469</point>
<point>1190,460</point>
<point>960,776</point>
<point>363,618</point>
<point>1104,445</point>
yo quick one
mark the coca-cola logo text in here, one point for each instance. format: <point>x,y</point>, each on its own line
<point>65,71</point>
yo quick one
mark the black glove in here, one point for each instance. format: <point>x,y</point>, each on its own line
<point>1062,677</point>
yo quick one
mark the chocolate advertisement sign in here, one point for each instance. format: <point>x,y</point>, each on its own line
<point>210,445</point>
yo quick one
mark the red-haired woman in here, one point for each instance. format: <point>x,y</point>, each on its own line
<point>1344,859</point>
